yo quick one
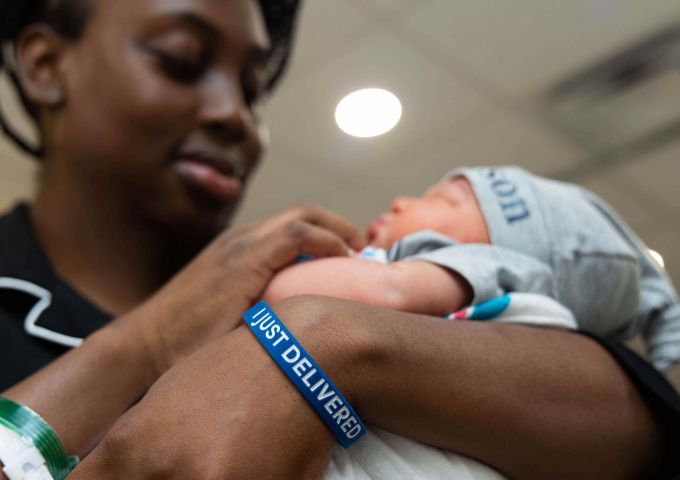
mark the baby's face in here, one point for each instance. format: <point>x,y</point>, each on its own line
<point>449,208</point>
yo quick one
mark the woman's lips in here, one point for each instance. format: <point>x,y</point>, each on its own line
<point>209,179</point>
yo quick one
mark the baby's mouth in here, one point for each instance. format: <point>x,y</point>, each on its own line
<point>374,228</point>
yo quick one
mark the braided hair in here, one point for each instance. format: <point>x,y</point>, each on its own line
<point>69,17</point>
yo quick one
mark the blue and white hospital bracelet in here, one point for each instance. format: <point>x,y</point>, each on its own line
<point>305,374</point>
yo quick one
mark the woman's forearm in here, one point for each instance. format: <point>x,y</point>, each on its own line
<point>82,393</point>
<point>85,391</point>
<point>533,403</point>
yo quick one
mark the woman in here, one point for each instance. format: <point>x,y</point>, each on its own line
<point>148,118</point>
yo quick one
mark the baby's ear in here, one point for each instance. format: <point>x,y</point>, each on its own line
<point>39,52</point>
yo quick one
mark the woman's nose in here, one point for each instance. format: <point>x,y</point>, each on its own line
<point>225,113</point>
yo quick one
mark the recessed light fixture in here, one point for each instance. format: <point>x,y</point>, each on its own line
<point>657,256</point>
<point>368,113</point>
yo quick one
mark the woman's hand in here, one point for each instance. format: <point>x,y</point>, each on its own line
<point>202,303</point>
<point>226,412</point>
<point>205,300</point>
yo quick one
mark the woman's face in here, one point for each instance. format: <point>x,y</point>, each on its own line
<point>161,108</point>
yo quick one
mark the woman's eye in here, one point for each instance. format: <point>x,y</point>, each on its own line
<point>255,92</point>
<point>182,69</point>
<point>253,97</point>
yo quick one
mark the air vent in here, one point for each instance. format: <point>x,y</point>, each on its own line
<point>624,100</point>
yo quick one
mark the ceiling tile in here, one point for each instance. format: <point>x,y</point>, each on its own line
<point>18,174</point>
<point>496,137</point>
<point>281,183</point>
<point>392,7</point>
<point>614,189</point>
<point>325,30</point>
<point>522,47</point>
<point>302,114</point>
<point>330,28</point>
<point>657,174</point>
<point>17,170</point>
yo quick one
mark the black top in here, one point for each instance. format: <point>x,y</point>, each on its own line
<point>662,399</point>
<point>41,317</point>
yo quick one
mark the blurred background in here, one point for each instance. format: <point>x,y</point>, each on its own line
<point>586,91</point>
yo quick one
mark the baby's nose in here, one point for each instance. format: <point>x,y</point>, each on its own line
<point>400,203</point>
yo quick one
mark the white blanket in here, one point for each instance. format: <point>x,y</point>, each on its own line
<point>383,455</point>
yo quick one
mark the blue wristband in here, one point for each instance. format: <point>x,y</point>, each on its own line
<point>305,374</point>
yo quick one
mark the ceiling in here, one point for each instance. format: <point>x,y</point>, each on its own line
<point>471,75</point>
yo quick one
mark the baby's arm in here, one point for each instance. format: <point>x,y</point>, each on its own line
<point>412,286</point>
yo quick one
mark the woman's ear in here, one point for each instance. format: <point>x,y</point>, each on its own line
<point>39,52</point>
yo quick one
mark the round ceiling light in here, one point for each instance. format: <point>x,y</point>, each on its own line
<point>368,113</point>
